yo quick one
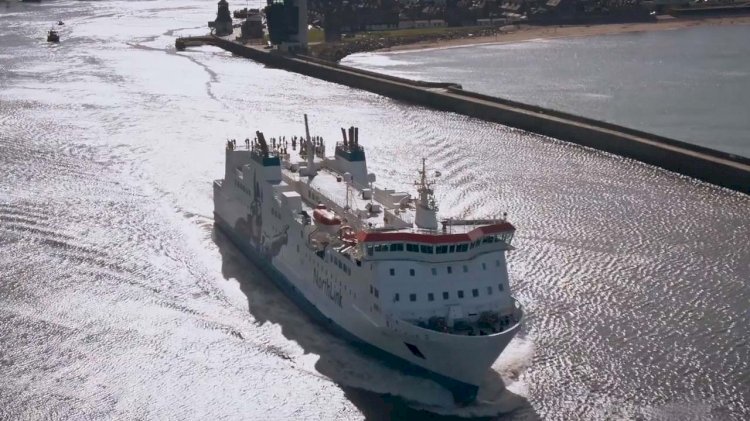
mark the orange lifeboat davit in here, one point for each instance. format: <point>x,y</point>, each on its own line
<point>325,216</point>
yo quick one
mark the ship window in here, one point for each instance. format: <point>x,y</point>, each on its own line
<point>489,290</point>
<point>450,269</point>
<point>411,272</point>
<point>460,293</point>
<point>441,249</point>
<point>434,271</point>
<point>377,294</point>
<point>462,247</point>
<point>497,263</point>
<point>369,250</point>
<point>484,266</point>
<point>426,249</point>
<point>412,297</point>
<point>475,292</point>
<point>430,297</point>
<point>396,297</point>
<point>466,268</point>
<point>393,272</point>
<point>412,247</point>
<point>371,290</point>
<point>397,247</point>
<point>414,350</point>
<point>445,295</point>
<point>500,287</point>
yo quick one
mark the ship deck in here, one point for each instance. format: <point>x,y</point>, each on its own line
<point>396,208</point>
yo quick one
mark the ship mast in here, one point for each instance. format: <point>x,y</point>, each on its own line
<point>426,215</point>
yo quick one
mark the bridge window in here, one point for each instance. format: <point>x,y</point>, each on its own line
<point>393,272</point>
<point>462,247</point>
<point>475,292</point>
<point>412,297</point>
<point>426,249</point>
<point>411,272</point>
<point>452,249</point>
<point>460,293</point>
<point>430,297</point>
<point>446,295</point>
<point>412,248</point>
<point>397,247</point>
<point>441,249</point>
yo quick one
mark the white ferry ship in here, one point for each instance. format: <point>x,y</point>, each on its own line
<point>374,265</point>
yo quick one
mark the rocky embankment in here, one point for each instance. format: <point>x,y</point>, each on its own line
<point>375,41</point>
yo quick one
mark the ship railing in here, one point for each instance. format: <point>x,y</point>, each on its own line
<point>504,320</point>
<point>483,221</point>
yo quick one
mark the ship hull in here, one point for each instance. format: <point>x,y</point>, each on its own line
<point>462,392</point>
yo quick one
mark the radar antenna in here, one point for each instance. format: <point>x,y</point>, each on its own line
<point>426,212</point>
<point>424,188</point>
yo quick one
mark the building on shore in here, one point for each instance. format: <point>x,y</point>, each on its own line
<point>287,24</point>
<point>252,27</point>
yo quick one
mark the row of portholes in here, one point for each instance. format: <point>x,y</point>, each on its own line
<point>448,269</point>
<point>446,295</point>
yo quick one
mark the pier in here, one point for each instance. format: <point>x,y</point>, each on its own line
<point>716,167</point>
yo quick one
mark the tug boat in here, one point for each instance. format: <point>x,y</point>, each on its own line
<point>375,265</point>
<point>53,36</point>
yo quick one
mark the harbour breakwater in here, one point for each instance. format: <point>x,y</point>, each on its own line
<point>716,167</point>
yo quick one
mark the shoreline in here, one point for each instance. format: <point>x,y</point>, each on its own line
<point>525,32</point>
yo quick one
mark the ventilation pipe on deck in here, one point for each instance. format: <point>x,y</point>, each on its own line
<point>310,149</point>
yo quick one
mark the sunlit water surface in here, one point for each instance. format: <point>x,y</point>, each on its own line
<point>118,298</point>
<point>690,84</point>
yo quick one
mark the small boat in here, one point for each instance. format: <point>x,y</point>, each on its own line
<point>53,36</point>
<point>325,216</point>
<point>59,22</point>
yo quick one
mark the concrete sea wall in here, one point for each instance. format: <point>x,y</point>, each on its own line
<point>720,168</point>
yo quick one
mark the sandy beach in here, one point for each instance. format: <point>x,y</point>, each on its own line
<point>529,32</point>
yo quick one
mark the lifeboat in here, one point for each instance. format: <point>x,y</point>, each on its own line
<point>325,216</point>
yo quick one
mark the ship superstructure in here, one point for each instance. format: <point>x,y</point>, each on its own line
<point>374,264</point>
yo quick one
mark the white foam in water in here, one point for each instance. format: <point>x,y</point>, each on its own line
<point>348,367</point>
<point>495,398</point>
